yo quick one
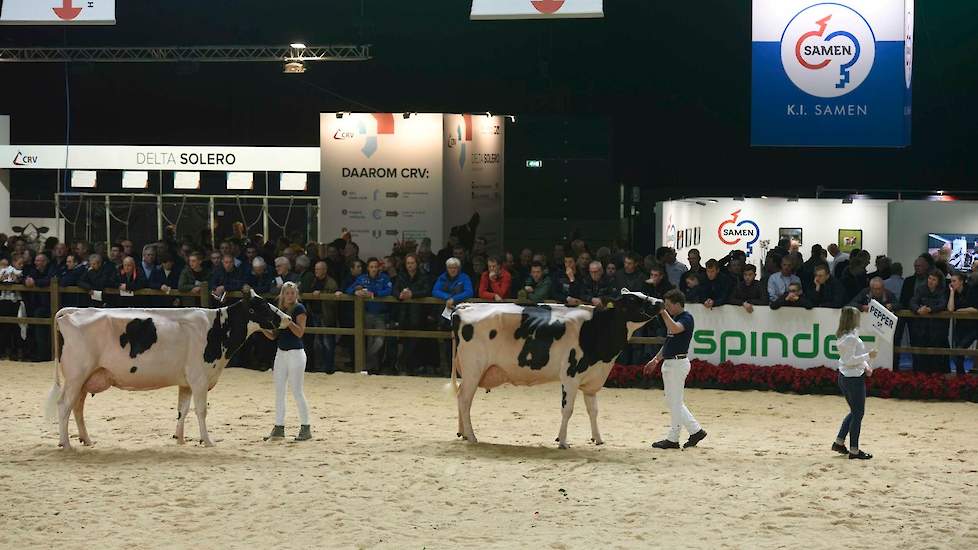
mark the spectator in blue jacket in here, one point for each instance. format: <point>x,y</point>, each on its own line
<point>453,285</point>
<point>69,274</point>
<point>226,278</point>
<point>373,284</point>
<point>39,305</point>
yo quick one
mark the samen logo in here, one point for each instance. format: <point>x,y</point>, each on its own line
<point>734,343</point>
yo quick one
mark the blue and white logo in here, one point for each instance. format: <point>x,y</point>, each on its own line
<point>828,50</point>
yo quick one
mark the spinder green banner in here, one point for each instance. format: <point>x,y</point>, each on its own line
<point>802,338</point>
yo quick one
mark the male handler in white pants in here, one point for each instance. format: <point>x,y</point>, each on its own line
<point>675,367</point>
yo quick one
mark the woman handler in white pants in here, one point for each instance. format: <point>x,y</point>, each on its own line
<point>675,368</point>
<point>290,362</point>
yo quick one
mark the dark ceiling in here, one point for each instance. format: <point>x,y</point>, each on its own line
<point>672,78</point>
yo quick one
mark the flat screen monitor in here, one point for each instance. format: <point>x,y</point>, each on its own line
<point>960,248</point>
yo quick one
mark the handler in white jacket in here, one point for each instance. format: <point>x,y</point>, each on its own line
<point>853,369</point>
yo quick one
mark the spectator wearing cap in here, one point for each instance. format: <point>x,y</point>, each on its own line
<point>749,292</point>
<point>876,291</point>
<point>826,290</point>
<point>963,298</point>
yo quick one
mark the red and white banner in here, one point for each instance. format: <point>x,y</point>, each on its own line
<point>536,9</point>
<point>57,12</point>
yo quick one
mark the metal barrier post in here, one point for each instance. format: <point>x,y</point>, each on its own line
<point>359,339</point>
<point>55,306</point>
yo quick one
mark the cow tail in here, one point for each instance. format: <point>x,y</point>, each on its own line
<point>453,385</point>
<point>51,404</point>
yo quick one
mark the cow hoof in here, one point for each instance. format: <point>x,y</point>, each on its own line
<point>598,442</point>
<point>65,446</point>
<point>207,443</point>
<point>563,446</point>
<point>88,442</point>
<point>459,434</point>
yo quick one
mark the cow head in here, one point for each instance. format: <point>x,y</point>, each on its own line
<point>636,307</point>
<point>263,314</point>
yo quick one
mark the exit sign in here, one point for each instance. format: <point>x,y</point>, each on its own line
<point>534,164</point>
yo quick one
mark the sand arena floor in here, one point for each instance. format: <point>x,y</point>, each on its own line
<point>385,470</point>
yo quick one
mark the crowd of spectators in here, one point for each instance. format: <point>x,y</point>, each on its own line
<point>570,273</point>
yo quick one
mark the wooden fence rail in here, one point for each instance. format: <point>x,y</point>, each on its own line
<point>359,331</point>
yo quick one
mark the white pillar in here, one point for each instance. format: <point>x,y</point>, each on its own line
<point>5,178</point>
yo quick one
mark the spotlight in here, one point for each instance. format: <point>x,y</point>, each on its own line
<point>701,203</point>
<point>714,201</point>
<point>407,115</point>
<point>512,118</point>
<point>294,67</point>
<point>340,114</point>
<point>764,196</point>
<point>297,45</point>
<point>488,114</point>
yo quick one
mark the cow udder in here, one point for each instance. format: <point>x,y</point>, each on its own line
<point>493,377</point>
<point>99,381</point>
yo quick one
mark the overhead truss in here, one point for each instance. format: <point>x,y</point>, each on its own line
<point>202,54</point>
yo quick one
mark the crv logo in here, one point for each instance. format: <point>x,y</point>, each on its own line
<point>734,343</point>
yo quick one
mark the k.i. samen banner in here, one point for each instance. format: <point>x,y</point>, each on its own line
<point>831,74</point>
<point>802,338</point>
<point>381,179</point>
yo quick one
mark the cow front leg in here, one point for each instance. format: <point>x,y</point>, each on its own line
<point>567,395</point>
<point>591,402</point>
<point>79,411</point>
<point>200,406</point>
<point>183,407</point>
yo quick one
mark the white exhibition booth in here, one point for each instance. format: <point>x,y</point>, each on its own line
<point>897,228</point>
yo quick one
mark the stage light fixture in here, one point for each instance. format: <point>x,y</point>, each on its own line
<point>714,201</point>
<point>512,118</point>
<point>407,115</point>
<point>764,196</point>
<point>297,45</point>
<point>294,67</point>
<point>847,200</point>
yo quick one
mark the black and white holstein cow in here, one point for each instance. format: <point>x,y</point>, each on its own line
<point>148,349</point>
<point>497,344</point>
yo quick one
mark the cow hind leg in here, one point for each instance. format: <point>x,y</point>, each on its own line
<point>591,402</point>
<point>200,406</point>
<point>69,397</point>
<point>466,394</point>
<point>568,394</point>
<point>79,411</point>
<point>183,407</point>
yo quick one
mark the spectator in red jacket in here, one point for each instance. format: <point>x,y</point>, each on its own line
<point>495,283</point>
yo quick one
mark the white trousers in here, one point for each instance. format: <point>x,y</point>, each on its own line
<point>674,372</point>
<point>290,367</point>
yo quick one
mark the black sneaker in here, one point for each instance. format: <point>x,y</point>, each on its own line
<point>841,449</point>
<point>695,438</point>
<point>665,444</point>
<point>860,456</point>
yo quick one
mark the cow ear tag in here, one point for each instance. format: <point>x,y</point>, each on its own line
<point>611,305</point>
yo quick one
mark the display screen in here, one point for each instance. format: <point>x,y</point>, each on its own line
<point>959,249</point>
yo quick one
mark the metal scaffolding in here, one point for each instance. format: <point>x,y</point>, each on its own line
<point>202,54</point>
